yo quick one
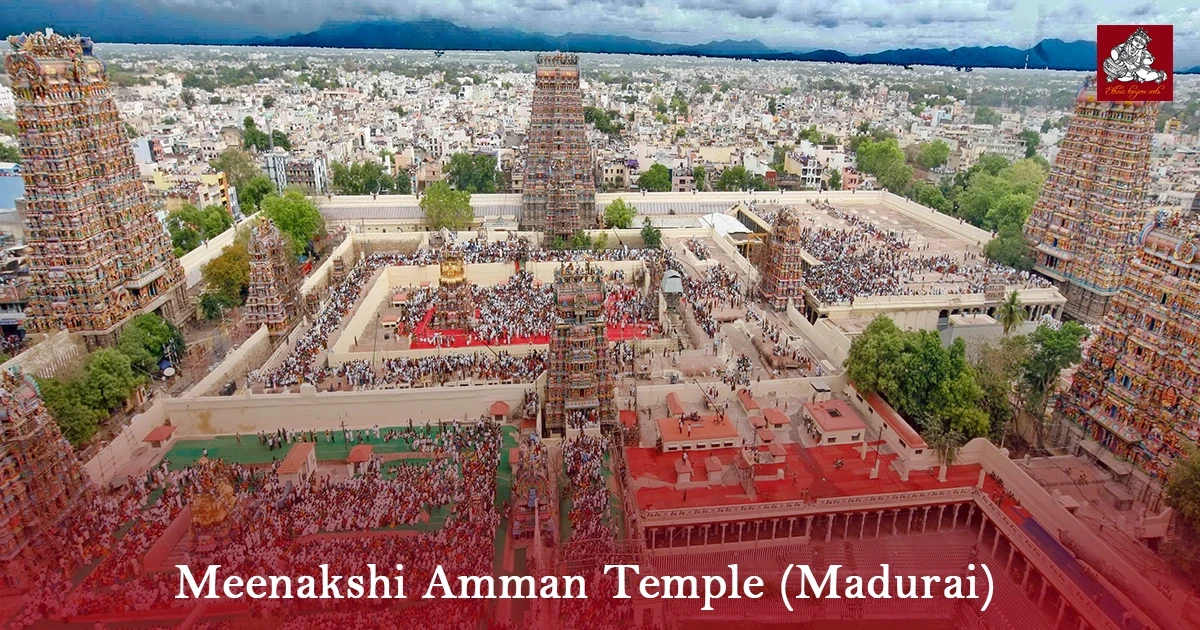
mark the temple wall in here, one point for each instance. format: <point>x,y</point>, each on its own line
<point>309,409</point>
<point>194,261</point>
<point>57,351</point>
<point>319,278</point>
<point>104,465</point>
<point>248,356</point>
<point>833,343</point>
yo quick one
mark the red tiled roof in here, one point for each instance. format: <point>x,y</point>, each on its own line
<point>359,454</point>
<point>747,400</point>
<point>682,467</point>
<point>775,416</point>
<point>628,417</point>
<point>758,422</point>
<point>765,436</point>
<point>895,422</point>
<point>706,429</point>
<point>777,449</point>
<point>713,464</point>
<point>498,408</point>
<point>160,433</point>
<point>673,406</point>
<point>295,458</point>
<point>847,419</point>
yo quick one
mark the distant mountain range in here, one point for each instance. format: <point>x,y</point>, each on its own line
<point>1054,54</point>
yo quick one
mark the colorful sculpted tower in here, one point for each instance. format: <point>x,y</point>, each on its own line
<point>455,307</point>
<point>579,385</point>
<point>1138,391</point>
<point>1085,224</point>
<point>782,262</point>
<point>559,194</point>
<point>40,478</point>
<point>97,253</point>
<point>274,290</point>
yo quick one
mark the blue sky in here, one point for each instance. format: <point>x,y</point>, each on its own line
<point>854,26</point>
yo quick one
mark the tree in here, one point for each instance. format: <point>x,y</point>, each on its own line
<point>1009,248</point>
<point>835,180</point>
<point>933,154</point>
<point>975,202</point>
<point>1046,124</point>
<point>296,216</point>
<point>1183,495</point>
<point>885,160</point>
<point>1009,210</point>
<point>77,420</point>
<point>108,379</point>
<point>651,236</point>
<point>1011,312</point>
<point>607,122</point>
<point>619,214</point>
<point>8,127</point>
<point>779,157</point>
<point>1052,350</point>
<point>475,174</point>
<point>1032,140</point>
<point>268,101</point>
<point>771,108</point>
<point>738,178</point>
<point>1025,176</point>
<point>10,153</point>
<point>367,178</point>
<point>147,339</point>
<point>228,275</point>
<point>997,370</point>
<point>928,195</point>
<point>255,191</point>
<point>188,98</point>
<point>447,208</point>
<point>239,169</point>
<point>987,116</point>
<point>656,179</point>
<point>701,176</point>
<point>188,226</point>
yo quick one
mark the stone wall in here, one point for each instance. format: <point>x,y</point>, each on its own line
<point>55,352</point>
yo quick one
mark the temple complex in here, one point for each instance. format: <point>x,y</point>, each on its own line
<point>559,196</point>
<point>455,306</point>
<point>39,477</point>
<point>1085,223</point>
<point>1138,392</point>
<point>274,290</point>
<point>97,253</point>
<point>579,385</point>
<point>784,262</point>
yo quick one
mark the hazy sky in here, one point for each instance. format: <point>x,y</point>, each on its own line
<point>855,26</point>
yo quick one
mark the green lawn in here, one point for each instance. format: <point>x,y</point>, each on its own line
<point>226,447</point>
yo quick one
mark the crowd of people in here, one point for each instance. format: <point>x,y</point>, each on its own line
<point>698,247</point>
<point>592,532</point>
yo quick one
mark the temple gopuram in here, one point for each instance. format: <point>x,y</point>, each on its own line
<point>98,255</point>
<point>559,195</point>
<point>783,262</point>
<point>579,383</point>
<point>1138,392</point>
<point>1084,226</point>
<point>455,306</point>
<point>40,478</point>
<point>274,291</point>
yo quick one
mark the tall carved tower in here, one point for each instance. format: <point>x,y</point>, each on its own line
<point>274,291</point>
<point>97,253</point>
<point>559,195</point>
<point>455,308</point>
<point>1084,226</point>
<point>40,478</point>
<point>782,262</point>
<point>579,386</point>
<point>1138,391</point>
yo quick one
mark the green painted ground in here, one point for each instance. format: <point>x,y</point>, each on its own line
<point>226,447</point>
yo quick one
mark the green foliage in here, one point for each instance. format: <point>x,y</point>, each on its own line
<point>188,226</point>
<point>1009,248</point>
<point>147,339</point>
<point>651,236</point>
<point>933,386</point>
<point>885,160</point>
<point>933,154</point>
<point>239,169</point>
<point>1032,140</point>
<point>252,194</point>
<point>619,214</point>
<point>268,101</point>
<point>214,305</point>
<point>997,371</point>
<point>771,107</point>
<point>1046,124</point>
<point>835,180</point>
<point>189,98</point>
<point>580,240</point>
<point>1052,350</point>
<point>10,153</point>
<point>254,137</point>
<point>816,137</point>
<point>8,127</point>
<point>606,122</point>
<point>738,178</point>
<point>296,216</point>
<point>779,158</point>
<point>367,178</point>
<point>987,116</point>
<point>656,179</point>
<point>108,379</point>
<point>64,399</point>
<point>993,194</point>
<point>227,276</point>
<point>928,195</point>
<point>447,208</point>
<point>701,176</point>
<point>475,174</point>
<point>1011,312</point>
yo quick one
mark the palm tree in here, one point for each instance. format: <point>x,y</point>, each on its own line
<point>1011,312</point>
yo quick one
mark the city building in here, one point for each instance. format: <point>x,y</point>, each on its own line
<point>579,383</point>
<point>197,185</point>
<point>1084,225</point>
<point>784,261</point>
<point>40,478</point>
<point>559,191</point>
<point>98,255</point>
<point>274,291</point>
<point>1138,392</point>
<point>287,170</point>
